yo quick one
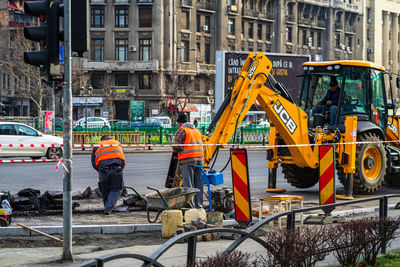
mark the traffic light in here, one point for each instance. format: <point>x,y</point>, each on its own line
<point>48,33</point>
<point>79,29</point>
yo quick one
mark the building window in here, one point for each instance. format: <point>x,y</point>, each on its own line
<point>207,23</point>
<point>304,37</point>
<point>121,17</point>
<point>184,51</point>
<point>207,54</point>
<point>97,49</point>
<point>231,26</point>
<point>319,39</point>
<point>145,81</point>
<point>185,18</point>
<point>289,34</point>
<point>145,16</point>
<point>145,49</point>
<point>242,30</point>
<point>121,49</point>
<point>311,39</point>
<point>198,23</point>
<point>96,80</point>
<point>337,38</point>
<point>350,42</point>
<point>251,28</point>
<point>121,79</point>
<point>97,17</point>
<point>259,31</point>
<point>268,33</point>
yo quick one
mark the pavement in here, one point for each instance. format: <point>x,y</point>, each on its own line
<point>175,256</point>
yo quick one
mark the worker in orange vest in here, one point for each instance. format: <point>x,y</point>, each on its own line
<point>189,155</point>
<point>109,161</point>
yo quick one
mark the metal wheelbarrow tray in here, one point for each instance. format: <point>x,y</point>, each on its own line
<point>174,198</point>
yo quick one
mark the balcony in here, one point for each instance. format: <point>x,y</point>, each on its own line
<point>205,68</point>
<point>267,15</point>
<point>123,91</point>
<point>98,1</point>
<point>338,25</point>
<point>144,1</point>
<point>110,66</point>
<point>317,2</point>
<point>290,18</point>
<point>353,7</point>
<point>250,13</point>
<point>187,3</point>
<point>338,4</point>
<point>351,29</point>
<point>122,1</point>
<point>206,5</point>
<point>304,21</point>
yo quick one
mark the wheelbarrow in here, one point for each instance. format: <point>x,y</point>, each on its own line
<point>174,198</point>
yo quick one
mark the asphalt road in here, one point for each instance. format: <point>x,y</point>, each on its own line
<point>142,170</point>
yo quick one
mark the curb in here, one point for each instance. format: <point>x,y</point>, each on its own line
<point>135,228</point>
<point>82,229</point>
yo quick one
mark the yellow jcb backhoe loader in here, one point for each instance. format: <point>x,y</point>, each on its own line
<point>362,116</point>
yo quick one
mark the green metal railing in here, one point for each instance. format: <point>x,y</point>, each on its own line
<point>158,135</point>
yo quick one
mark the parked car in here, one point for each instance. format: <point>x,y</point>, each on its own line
<point>18,133</point>
<point>92,123</point>
<point>119,124</point>
<point>149,123</point>
<point>263,124</point>
<point>166,121</point>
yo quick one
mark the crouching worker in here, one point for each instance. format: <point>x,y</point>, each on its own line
<point>109,161</point>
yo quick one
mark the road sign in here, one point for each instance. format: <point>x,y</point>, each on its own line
<point>241,186</point>
<point>326,175</point>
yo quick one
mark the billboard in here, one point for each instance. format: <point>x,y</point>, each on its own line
<point>285,68</point>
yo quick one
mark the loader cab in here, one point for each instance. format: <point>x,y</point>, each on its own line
<point>363,87</point>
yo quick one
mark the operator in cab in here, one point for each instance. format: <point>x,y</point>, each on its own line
<point>329,102</point>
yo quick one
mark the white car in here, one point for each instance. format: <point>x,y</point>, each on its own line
<point>92,122</point>
<point>21,140</point>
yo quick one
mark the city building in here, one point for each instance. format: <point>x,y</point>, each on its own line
<point>16,85</point>
<point>161,50</point>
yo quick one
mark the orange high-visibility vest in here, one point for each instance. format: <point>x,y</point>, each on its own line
<point>109,152</point>
<point>195,150</point>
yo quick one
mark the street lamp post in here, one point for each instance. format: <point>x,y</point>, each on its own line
<point>87,92</point>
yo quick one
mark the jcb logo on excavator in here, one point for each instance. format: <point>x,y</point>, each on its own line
<point>252,69</point>
<point>392,128</point>
<point>285,117</point>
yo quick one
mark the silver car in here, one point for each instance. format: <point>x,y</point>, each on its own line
<point>21,140</point>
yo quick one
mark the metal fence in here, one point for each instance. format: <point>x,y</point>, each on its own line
<point>191,237</point>
<point>158,135</point>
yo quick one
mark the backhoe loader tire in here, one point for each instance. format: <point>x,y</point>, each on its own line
<point>392,179</point>
<point>370,165</point>
<point>300,177</point>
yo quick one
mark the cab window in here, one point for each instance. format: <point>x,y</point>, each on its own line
<point>378,98</point>
<point>355,91</point>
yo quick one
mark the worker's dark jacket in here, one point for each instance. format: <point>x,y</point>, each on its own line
<point>115,155</point>
<point>331,96</point>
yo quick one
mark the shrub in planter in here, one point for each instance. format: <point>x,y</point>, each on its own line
<point>234,259</point>
<point>298,247</point>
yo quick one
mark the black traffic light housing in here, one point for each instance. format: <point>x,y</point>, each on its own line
<point>48,33</point>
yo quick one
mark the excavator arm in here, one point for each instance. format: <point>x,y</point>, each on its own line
<point>290,121</point>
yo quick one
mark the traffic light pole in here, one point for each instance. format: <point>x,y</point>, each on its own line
<point>67,114</point>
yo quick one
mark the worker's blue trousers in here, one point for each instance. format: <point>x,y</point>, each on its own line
<point>111,185</point>
<point>191,177</point>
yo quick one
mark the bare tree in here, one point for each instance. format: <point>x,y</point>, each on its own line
<point>28,82</point>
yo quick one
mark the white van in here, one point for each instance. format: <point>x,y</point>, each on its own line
<point>166,121</point>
